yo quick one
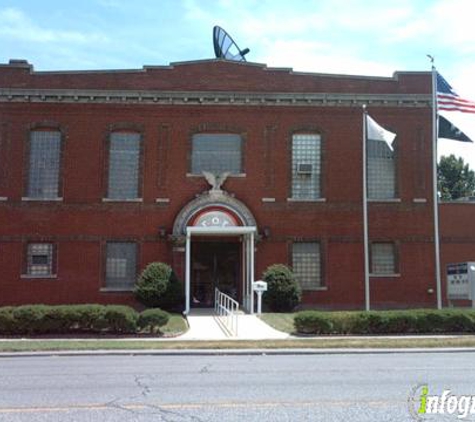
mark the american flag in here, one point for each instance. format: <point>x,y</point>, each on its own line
<point>448,99</point>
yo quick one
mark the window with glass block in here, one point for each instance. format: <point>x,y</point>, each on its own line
<point>121,265</point>
<point>381,168</point>
<point>39,259</point>
<point>306,166</point>
<point>216,153</point>
<point>383,258</point>
<point>306,264</point>
<point>44,164</point>
<point>124,165</point>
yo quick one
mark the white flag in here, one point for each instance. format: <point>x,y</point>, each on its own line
<point>376,132</point>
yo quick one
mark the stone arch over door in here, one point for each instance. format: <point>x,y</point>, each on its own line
<point>210,201</point>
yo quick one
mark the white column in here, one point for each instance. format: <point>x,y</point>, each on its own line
<point>243,271</point>
<point>187,272</point>
<point>251,268</point>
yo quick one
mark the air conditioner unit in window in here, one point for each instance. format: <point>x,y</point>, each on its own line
<point>304,168</point>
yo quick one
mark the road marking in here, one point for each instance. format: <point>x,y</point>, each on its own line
<point>193,406</point>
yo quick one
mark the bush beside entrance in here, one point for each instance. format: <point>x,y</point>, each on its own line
<point>283,292</point>
<point>420,321</point>
<point>159,287</point>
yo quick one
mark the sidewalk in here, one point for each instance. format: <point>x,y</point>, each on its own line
<point>204,326</point>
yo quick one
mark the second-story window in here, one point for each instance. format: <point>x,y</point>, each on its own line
<point>216,153</point>
<point>44,164</point>
<point>381,170</point>
<point>306,166</point>
<point>124,166</point>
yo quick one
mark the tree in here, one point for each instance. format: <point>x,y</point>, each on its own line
<point>455,178</point>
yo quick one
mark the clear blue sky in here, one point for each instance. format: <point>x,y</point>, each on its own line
<point>370,37</point>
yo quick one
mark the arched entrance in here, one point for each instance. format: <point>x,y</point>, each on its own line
<point>219,249</point>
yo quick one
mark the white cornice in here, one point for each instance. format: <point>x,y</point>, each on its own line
<point>13,95</point>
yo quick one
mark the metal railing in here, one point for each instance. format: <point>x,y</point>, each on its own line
<point>226,310</point>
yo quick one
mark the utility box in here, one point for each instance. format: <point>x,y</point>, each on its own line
<point>461,281</point>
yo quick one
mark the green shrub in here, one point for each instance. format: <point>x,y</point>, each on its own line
<point>44,319</point>
<point>29,319</point>
<point>7,322</point>
<point>283,292</point>
<point>313,322</point>
<point>424,321</point>
<point>158,287</point>
<point>152,320</point>
<point>121,319</point>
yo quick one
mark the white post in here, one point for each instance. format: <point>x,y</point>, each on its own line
<point>365,219</point>
<point>243,271</point>
<point>187,272</point>
<point>251,268</point>
<point>438,282</point>
<point>259,302</point>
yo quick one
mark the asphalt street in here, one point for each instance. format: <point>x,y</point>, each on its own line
<point>365,387</point>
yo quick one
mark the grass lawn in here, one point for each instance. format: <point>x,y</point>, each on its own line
<point>314,343</point>
<point>280,321</point>
<point>176,325</point>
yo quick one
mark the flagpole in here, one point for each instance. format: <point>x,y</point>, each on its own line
<point>365,217</point>
<point>434,185</point>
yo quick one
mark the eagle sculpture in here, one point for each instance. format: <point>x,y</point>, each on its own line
<point>216,180</point>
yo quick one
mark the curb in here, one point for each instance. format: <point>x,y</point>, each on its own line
<point>234,352</point>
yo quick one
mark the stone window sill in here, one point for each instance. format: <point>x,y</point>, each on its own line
<point>385,275</point>
<point>316,289</point>
<point>28,198</point>
<point>201,175</point>
<point>38,277</point>
<point>122,200</point>
<point>385,200</point>
<point>317,200</point>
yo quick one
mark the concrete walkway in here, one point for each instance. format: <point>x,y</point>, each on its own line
<point>204,326</point>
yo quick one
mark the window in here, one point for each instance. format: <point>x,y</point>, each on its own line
<point>306,263</point>
<point>121,265</point>
<point>124,165</point>
<point>381,171</point>
<point>39,260</point>
<point>383,258</point>
<point>216,153</point>
<point>44,164</point>
<point>306,166</point>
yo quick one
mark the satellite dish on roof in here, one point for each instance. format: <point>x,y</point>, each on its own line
<point>225,47</point>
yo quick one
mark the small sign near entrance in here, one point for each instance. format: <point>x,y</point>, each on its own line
<point>259,286</point>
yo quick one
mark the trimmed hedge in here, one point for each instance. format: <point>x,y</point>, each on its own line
<point>76,319</point>
<point>419,321</point>
<point>152,319</point>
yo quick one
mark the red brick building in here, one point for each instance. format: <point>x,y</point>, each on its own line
<point>101,172</point>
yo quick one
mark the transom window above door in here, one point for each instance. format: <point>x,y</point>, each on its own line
<point>216,153</point>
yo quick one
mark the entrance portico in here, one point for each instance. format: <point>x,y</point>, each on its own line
<point>246,235</point>
<point>216,223</point>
